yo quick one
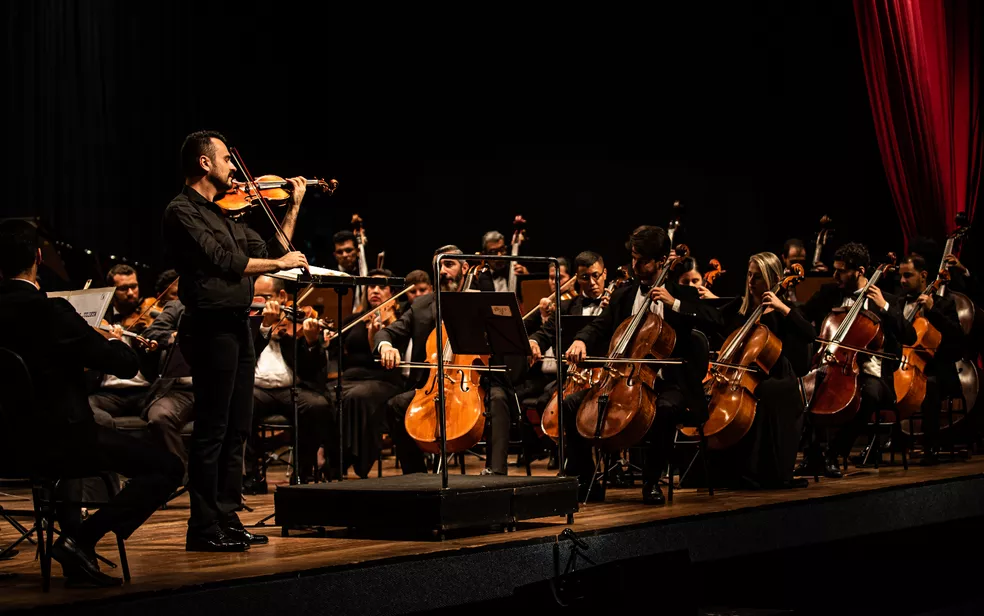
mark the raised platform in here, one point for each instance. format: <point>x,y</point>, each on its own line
<point>352,572</point>
<point>416,503</point>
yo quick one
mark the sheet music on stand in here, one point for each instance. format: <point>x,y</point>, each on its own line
<point>296,273</point>
<point>91,304</point>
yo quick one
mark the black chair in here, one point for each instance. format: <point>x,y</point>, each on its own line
<point>16,403</point>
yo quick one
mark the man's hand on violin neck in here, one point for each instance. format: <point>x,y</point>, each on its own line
<point>299,187</point>
<point>311,328</point>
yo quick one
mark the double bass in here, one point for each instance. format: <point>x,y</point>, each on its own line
<point>618,411</point>
<point>578,379</point>
<point>746,358</point>
<point>519,236</point>
<point>835,397</point>
<point>910,378</point>
<point>358,228</point>
<point>464,403</point>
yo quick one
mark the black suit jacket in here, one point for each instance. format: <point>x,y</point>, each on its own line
<point>57,345</point>
<point>693,314</point>
<point>415,324</point>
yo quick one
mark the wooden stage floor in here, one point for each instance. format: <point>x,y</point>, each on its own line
<point>158,560</point>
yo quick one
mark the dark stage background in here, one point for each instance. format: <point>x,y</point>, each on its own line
<point>756,119</point>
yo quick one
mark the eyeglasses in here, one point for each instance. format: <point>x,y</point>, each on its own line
<point>592,276</point>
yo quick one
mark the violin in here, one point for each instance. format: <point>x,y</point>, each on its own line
<point>275,189</point>
<point>579,379</point>
<point>619,410</point>
<point>519,236</point>
<point>142,316</point>
<point>910,378</point>
<point>464,403</point>
<point>746,358</point>
<point>713,273</point>
<point>285,326</point>
<point>147,345</point>
<point>567,292</point>
<point>835,396</point>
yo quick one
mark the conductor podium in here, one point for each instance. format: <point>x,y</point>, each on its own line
<point>487,324</point>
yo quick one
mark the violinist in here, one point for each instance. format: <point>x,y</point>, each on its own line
<point>875,382</point>
<point>166,288</point>
<point>115,397</point>
<point>274,377</point>
<point>216,256</point>
<point>546,307</point>
<point>686,273</point>
<point>941,371</point>
<point>765,457</point>
<point>64,440</point>
<point>366,385</point>
<point>417,324</point>
<point>679,387</point>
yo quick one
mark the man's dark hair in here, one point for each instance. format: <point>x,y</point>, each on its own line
<point>588,258</point>
<point>918,263</point>
<point>382,272</point>
<point>448,249</point>
<point>564,263</point>
<point>854,255</point>
<point>418,276</point>
<point>164,281</point>
<point>649,241</point>
<point>194,147</point>
<point>343,236</point>
<point>18,247</point>
<point>682,266</point>
<point>120,269</point>
<point>792,243</point>
<point>927,248</point>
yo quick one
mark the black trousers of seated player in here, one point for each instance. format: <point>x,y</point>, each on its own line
<point>316,416</point>
<point>876,395</point>
<point>411,458</point>
<point>219,349</point>
<point>670,409</point>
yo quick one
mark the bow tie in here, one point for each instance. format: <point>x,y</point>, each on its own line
<point>645,288</point>
<point>587,301</point>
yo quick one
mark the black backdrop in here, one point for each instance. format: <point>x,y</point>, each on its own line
<point>756,117</point>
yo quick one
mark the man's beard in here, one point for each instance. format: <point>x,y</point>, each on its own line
<point>222,184</point>
<point>448,284</point>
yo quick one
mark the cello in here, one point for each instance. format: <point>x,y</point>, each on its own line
<point>618,412</point>
<point>746,357</point>
<point>835,397</point>
<point>576,379</point>
<point>910,378</point>
<point>464,404</point>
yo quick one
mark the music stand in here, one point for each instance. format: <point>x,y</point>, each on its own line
<point>502,331</point>
<point>294,280</point>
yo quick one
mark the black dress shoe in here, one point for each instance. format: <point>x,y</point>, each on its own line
<point>832,469</point>
<point>214,541</point>
<point>652,494</point>
<point>241,534</point>
<point>79,566</point>
<point>10,555</point>
<point>804,468</point>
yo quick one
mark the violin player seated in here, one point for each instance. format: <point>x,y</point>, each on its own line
<point>65,441</point>
<point>116,397</point>
<point>274,348</point>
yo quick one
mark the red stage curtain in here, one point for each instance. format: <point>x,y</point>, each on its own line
<point>922,62</point>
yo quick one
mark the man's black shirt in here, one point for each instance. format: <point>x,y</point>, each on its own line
<point>210,251</point>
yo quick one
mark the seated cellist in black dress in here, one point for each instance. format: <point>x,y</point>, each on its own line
<point>766,455</point>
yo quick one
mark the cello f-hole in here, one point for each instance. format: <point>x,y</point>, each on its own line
<point>464,383</point>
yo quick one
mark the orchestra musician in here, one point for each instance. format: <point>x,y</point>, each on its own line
<point>216,257</point>
<point>793,252</point>
<point>679,388</point>
<point>421,282</point>
<point>766,456</point>
<point>64,440</point>
<point>346,252</point>
<point>494,243</point>
<point>687,274</point>
<point>166,288</point>
<point>875,381</point>
<point>941,371</point>
<point>417,324</point>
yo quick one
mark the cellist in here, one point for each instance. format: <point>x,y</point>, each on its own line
<point>678,388</point>
<point>875,383</point>
<point>941,370</point>
<point>416,324</point>
<point>765,457</point>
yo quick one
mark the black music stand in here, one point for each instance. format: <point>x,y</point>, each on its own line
<point>501,330</point>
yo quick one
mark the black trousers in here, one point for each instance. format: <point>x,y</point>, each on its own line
<point>314,413</point>
<point>108,404</point>
<point>497,410</point>
<point>219,348</point>
<point>166,418</point>
<point>364,420</point>
<point>670,409</point>
<point>876,395</point>
<point>153,473</point>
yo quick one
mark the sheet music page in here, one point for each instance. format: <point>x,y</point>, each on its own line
<point>91,304</point>
<point>292,274</point>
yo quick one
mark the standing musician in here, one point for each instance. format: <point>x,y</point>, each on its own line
<point>63,439</point>
<point>275,372</point>
<point>679,387</point>
<point>875,382</point>
<point>766,456</point>
<point>366,385</point>
<point>417,324</point>
<point>118,397</point>
<point>216,257</point>
<point>494,243</point>
<point>941,370</point>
